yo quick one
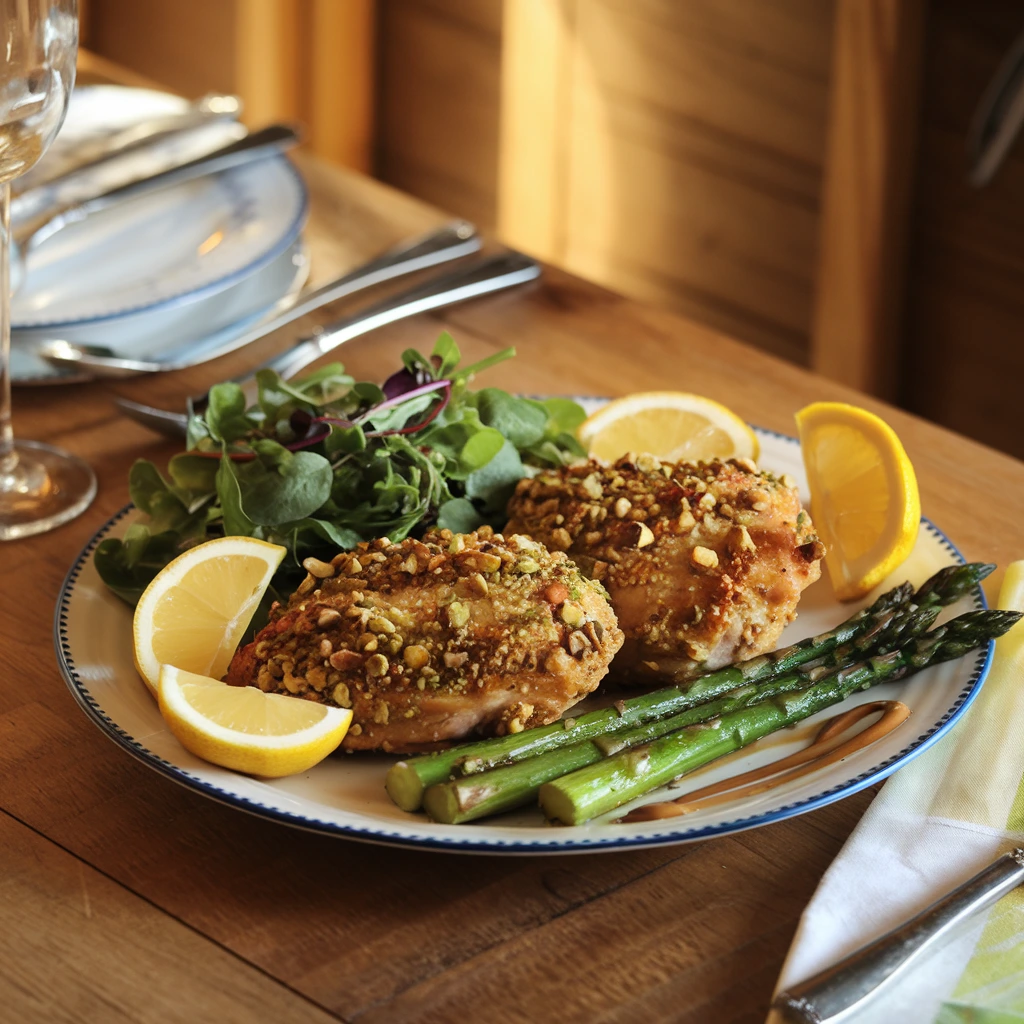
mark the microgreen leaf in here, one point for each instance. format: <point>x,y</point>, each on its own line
<point>459,515</point>
<point>326,382</point>
<point>346,440</point>
<point>281,486</point>
<point>339,537</point>
<point>564,415</point>
<point>128,566</point>
<point>196,430</point>
<point>518,419</point>
<point>494,483</point>
<point>236,522</point>
<point>368,394</point>
<point>193,475</point>
<point>447,354</point>
<point>397,416</point>
<point>225,414</point>
<point>144,483</point>
<point>480,448</point>
<point>168,508</point>
<point>485,364</point>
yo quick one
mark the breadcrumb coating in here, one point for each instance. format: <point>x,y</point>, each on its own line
<point>429,641</point>
<point>704,562</point>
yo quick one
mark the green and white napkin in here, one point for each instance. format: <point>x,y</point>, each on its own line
<point>935,823</point>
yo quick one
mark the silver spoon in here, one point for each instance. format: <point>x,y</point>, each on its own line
<point>480,277</point>
<point>255,146</point>
<point>458,238</point>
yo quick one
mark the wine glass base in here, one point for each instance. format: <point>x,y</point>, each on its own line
<point>46,488</point>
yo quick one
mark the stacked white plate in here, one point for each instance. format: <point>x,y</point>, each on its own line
<point>208,257</point>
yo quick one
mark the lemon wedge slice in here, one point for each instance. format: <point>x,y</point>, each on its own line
<point>197,607</point>
<point>243,728</point>
<point>672,425</point>
<point>864,497</point>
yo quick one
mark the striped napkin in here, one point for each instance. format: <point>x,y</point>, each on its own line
<point>936,823</point>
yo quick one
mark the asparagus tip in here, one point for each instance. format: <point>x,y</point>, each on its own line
<point>982,625</point>
<point>1003,619</point>
<point>952,582</point>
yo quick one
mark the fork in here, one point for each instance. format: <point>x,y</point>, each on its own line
<point>482,276</point>
<point>450,242</point>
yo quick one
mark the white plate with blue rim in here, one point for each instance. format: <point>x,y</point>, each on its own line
<point>344,795</point>
<point>215,321</point>
<point>134,274</point>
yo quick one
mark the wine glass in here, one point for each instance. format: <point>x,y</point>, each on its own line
<point>40,486</point>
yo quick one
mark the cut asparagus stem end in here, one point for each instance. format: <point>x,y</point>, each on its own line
<point>442,804</point>
<point>557,805</point>
<point>453,803</point>
<point>404,786</point>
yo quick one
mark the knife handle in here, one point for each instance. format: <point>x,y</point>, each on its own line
<point>48,184</point>
<point>255,146</point>
<point>838,990</point>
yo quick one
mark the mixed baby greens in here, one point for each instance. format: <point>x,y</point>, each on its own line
<point>321,463</point>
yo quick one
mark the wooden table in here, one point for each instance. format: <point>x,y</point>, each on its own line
<point>126,898</point>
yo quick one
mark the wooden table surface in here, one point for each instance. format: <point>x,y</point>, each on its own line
<point>124,897</point>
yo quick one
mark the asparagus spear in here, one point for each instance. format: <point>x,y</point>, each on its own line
<point>501,789</point>
<point>590,791</point>
<point>407,780</point>
<point>513,785</point>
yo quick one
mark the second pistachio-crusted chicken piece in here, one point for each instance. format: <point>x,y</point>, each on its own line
<point>432,641</point>
<point>704,562</point>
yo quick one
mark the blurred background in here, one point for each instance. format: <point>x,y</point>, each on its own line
<point>794,173</point>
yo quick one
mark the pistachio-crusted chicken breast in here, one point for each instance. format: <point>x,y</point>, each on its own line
<point>704,562</point>
<point>431,641</point>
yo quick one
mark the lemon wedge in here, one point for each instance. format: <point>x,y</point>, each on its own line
<point>197,607</point>
<point>672,425</point>
<point>243,728</point>
<point>864,497</point>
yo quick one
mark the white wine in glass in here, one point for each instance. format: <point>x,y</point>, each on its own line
<point>40,486</point>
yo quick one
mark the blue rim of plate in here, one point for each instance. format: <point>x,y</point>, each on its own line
<point>80,692</point>
<point>211,288</point>
<point>298,247</point>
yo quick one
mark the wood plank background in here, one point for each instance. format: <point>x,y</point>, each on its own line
<point>874,111</point>
<point>679,157</point>
<point>692,158</point>
<point>438,102</point>
<point>963,356</point>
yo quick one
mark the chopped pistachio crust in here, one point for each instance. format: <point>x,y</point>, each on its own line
<point>704,562</point>
<point>429,641</point>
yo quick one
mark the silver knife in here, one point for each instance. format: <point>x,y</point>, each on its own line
<point>90,153</point>
<point>452,241</point>
<point>490,274</point>
<point>839,990</point>
<point>255,146</point>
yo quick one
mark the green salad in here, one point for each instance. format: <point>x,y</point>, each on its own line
<point>323,462</point>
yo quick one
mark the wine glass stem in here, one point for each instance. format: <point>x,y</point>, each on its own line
<point>8,456</point>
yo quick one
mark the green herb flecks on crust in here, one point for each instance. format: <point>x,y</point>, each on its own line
<point>323,462</point>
